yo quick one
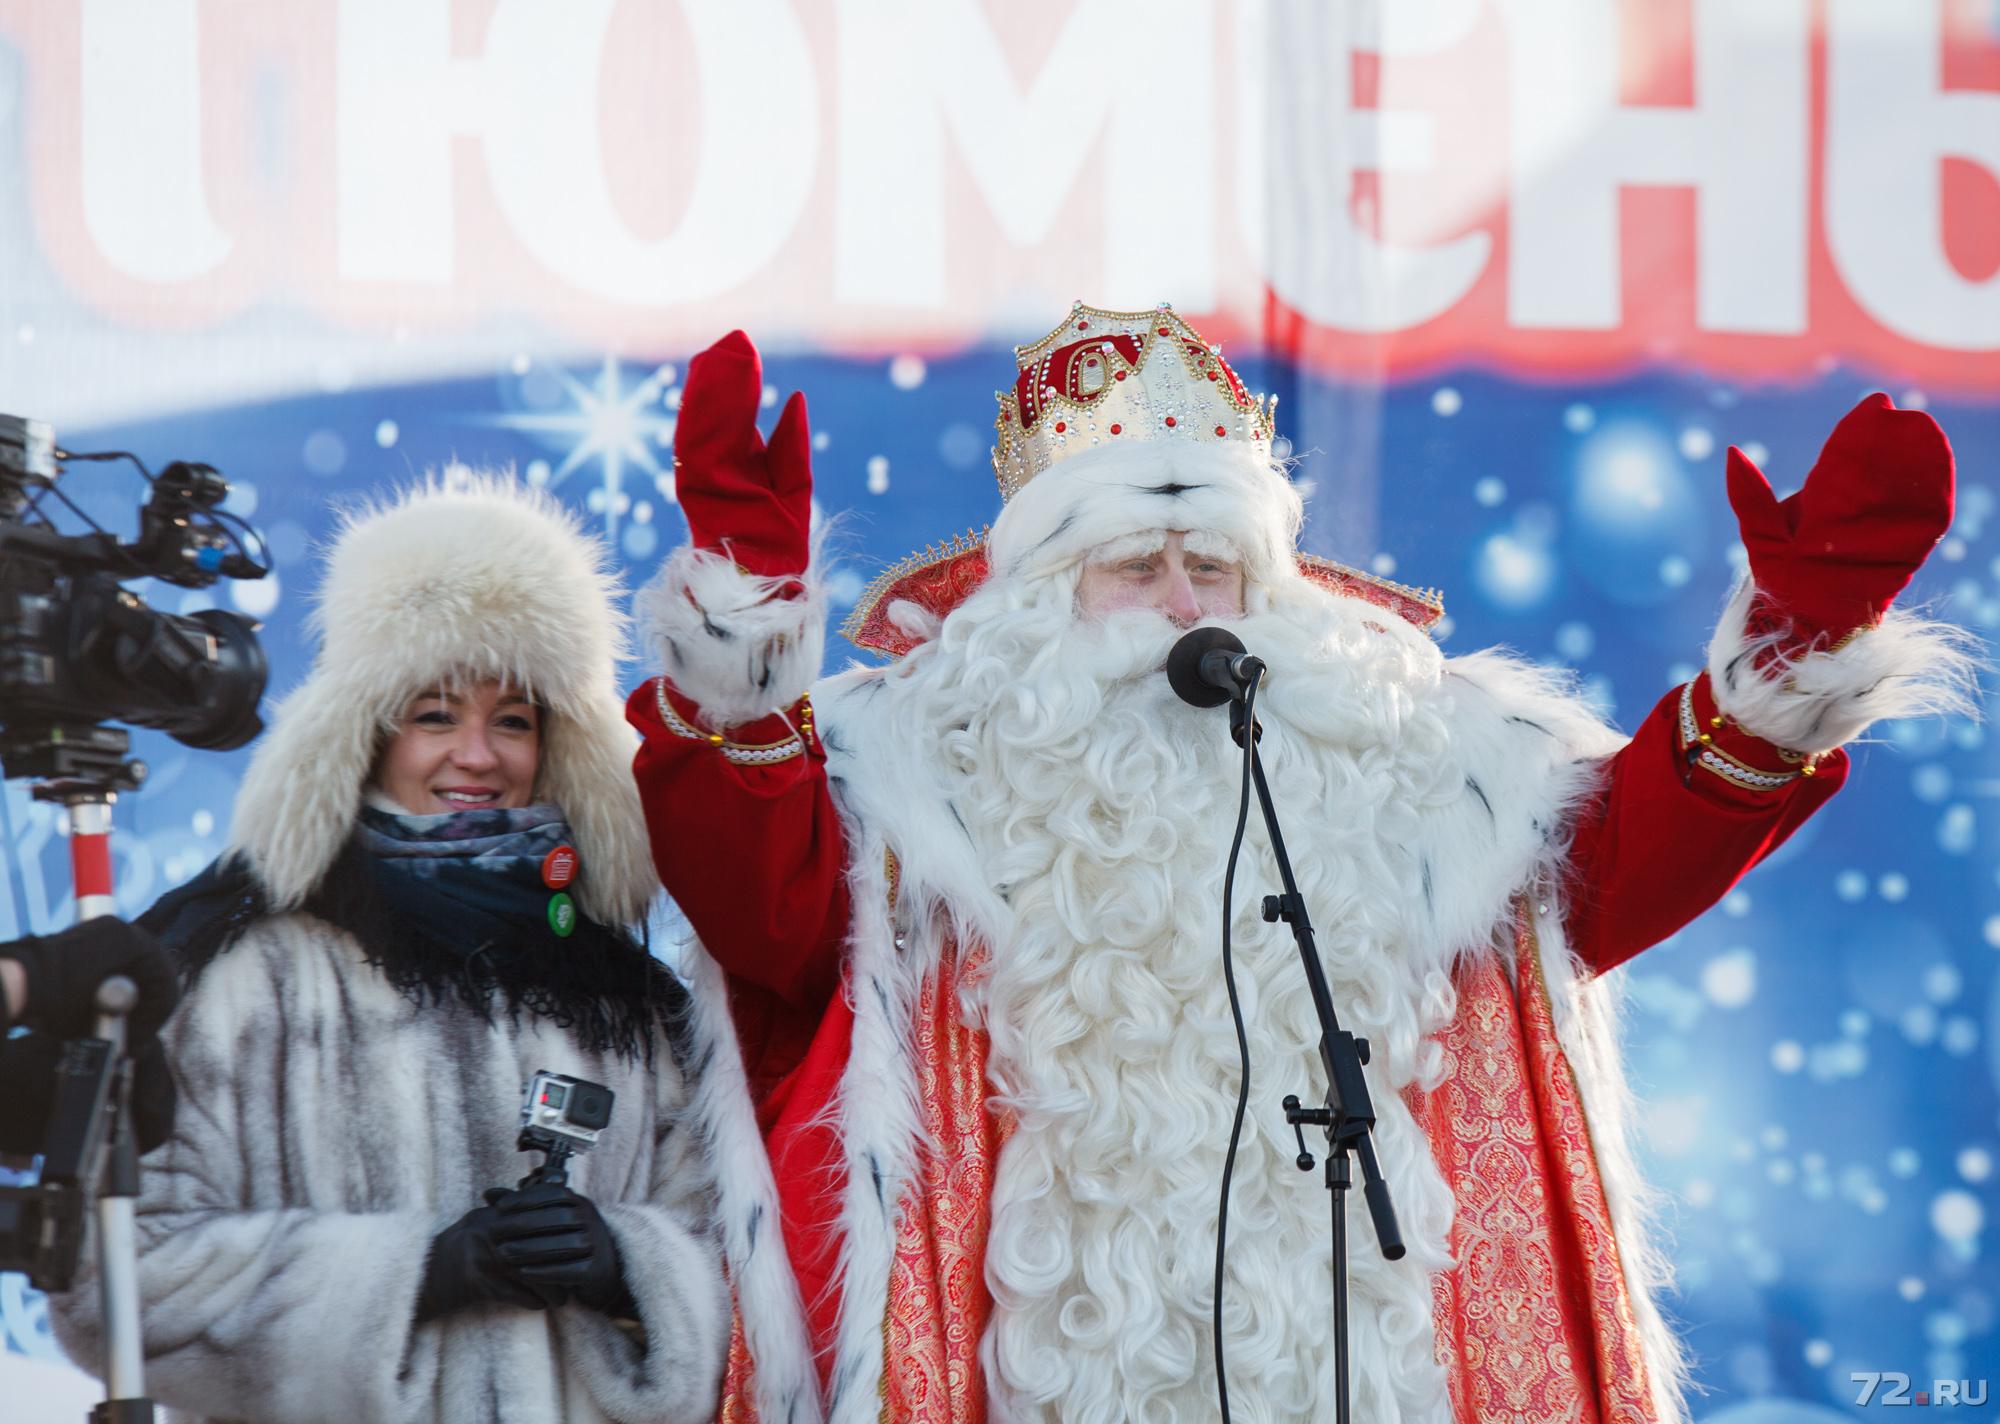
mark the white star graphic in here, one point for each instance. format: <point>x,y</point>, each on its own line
<point>618,427</point>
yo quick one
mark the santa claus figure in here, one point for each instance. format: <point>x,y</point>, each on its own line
<point>959,924</point>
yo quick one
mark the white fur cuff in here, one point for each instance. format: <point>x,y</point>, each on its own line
<point>730,640</point>
<point>1907,666</point>
<point>675,1277</point>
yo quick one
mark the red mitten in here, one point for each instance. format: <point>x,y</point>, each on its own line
<point>1832,557</point>
<point>743,498</point>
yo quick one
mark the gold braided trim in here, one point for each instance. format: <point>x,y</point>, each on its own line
<point>1713,758</point>
<point>928,557</point>
<point>741,753</point>
<point>1431,598</point>
<point>1735,772</point>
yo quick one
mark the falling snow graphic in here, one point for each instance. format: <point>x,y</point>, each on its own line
<point>1817,1057</point>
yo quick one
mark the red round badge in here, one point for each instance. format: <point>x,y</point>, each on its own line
<point>559,867</point>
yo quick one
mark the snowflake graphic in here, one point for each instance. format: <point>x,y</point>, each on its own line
<point>605,421</point>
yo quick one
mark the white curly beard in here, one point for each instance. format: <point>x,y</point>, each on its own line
<point>1102,810</point>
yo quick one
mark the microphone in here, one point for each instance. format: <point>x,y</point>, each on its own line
<point>1209,666</point>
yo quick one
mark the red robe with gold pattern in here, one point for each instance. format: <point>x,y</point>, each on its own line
<point>1534,1321</point>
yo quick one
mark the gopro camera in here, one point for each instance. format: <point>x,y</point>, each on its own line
<point>562,1116</point>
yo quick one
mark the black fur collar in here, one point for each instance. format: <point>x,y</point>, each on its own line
<point>599,984</point>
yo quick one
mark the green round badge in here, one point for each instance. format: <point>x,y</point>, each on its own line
<point>562,914</point>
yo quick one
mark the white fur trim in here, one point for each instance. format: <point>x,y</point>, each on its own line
<point>670,1367</point>
<point>785,1381</point>
<point>463,580</point>
<point>728,639</point>
<point>880,1127</point>
<point>1529,752</point>
<point>1074,506</point>
<point>1907,666</point>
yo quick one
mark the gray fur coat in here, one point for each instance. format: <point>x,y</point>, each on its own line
<point>328,1128</point>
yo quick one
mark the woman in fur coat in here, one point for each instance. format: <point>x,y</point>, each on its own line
<point>435,858</point>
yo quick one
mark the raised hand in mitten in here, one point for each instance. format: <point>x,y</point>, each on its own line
<point>1831,558</point>
<point>743,498</point>
<point>558,1245</point>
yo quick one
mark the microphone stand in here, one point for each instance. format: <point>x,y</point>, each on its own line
<point>1349,1115</point>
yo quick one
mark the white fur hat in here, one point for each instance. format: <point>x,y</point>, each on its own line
<point>472,579</point>
<point>1091,499</point>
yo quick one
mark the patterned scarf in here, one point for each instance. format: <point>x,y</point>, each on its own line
<point>472,879</point>
<point>455,909</point>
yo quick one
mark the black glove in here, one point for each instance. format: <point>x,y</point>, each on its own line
<point>558,1245</point>
<point>28,1068</point>
<point>464,1268</point>
<point>64,970</point>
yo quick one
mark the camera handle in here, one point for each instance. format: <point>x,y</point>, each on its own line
<point>87,811</point>
<point>554,1170</point>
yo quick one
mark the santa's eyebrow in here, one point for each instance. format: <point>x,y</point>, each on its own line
<point>1210,544</point>
<point>1128,546</point>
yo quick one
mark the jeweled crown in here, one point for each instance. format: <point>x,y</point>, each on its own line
<point>1104,377</point>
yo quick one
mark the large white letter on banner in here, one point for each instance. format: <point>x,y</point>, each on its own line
<point>1137,87</point>
<point>1888,127</point>
<point>1741,146</point>
<point>1306,141</point>
<point>758,143</point>
<point>533,99</point>
<point>398,102</point>
<point>143,202</point>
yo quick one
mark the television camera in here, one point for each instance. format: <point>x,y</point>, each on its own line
<point>78,652</point>
<point>77,649</point>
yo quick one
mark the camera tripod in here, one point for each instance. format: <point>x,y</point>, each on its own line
<point>82,769</point>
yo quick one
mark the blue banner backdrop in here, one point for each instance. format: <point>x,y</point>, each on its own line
<point>1818,1056</point>
<point>1522,269</point>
